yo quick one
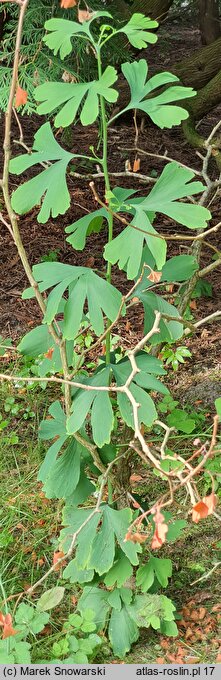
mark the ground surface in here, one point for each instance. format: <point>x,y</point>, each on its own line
<point>31,522</point>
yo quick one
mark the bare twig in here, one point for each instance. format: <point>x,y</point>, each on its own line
<point>204,577</point>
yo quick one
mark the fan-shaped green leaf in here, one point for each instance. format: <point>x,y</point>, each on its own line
<point>137,30</point>
<point>49,184</point>
<point>127,248</point>
<point>175,183</point>
<point>64,473</point>
<point>169,330</point>
<point>119,572</point>
<point>123,631</point>
<point>68,97</point>
<point>84,227</point>
<point>61,31</point>
<point>156,107</point>
<point>101,406</point>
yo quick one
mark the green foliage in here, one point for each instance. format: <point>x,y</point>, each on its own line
<point>50,599</point>
<point>173,184</point>
<point>175,357</point>
<point>51,183</point>
<point>159,108</point>
<point>128,613</point>
<point>75,647</point>
<point>91,418</point>
<point>160,569</point>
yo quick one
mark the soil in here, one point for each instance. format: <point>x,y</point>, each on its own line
<point>17,317</point>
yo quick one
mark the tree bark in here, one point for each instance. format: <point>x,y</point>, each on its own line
<point>198,69</point>
<point>156,9</point>
<point>206,99</point>
<point>209,21</point>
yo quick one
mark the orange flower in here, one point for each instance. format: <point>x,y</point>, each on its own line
<point>68,3</point>
<point>56,557</point>
<point>84,15</point>
<point>154,276</point>
<point>161,530</point>
<point>49,353</point>
<point>136,165</point>
<point>204,507</point>
<point>21,97</point>
<point>6,623</point>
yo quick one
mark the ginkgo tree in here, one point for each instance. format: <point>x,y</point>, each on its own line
<point>87,424</point>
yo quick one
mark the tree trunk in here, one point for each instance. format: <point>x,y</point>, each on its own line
<point>198,69</point>
<point>206,99</point>
<point>156,9</point>
<point>209,22</point>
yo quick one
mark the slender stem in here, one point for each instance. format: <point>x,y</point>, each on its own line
<point>14,225</point>
<point>107,189</point>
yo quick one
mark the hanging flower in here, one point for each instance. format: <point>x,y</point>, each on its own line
<point>21,97</point>
<point>203,508</point>
<point>66,4</point>
<point>6,623</point>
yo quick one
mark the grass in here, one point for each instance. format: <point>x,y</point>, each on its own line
<point>30,525</point>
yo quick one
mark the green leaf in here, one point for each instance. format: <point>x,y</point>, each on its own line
<point>50,184</point>
<point>83,285</point>
<point>30,620</point>
<point>100,403</point>
<point>96,599</point>
<point>114,599</point>
<point>60,648</point>
<point>73,519</point>
<point>71,96</point>
<point>56,425</point>
<point>175,183</point>
<point>175,528</point>
<point>119,572</point>
<point>181,421</point>
<point>83,489</point>
<point>51,598</point>
<point>202,289</point>
<point>85,226</point>
<point>179,268</point>
<point>19,652</point>
<point>146,412</point>
<point>127,248</point>
<point>218,406</point>
<point>145,577</point>
<point>123,631</point>
<point>38,341</point>
<point>77,575</point>
<point>149,606</point>
<point>137,30</point>
<point>61,31</point>
<point>120,520</point>
<point>63,475</point>
<point>158,107</point>
<point>169,628</point>
<point>103,550</point>
<point>159,568</point>
<point>169,330</point>
<point>50,459</point>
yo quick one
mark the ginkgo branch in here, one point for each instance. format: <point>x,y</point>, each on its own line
<point>74,537</point>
